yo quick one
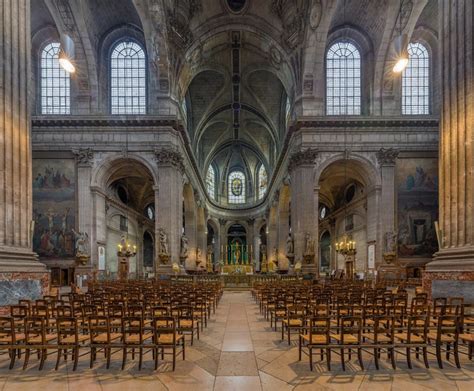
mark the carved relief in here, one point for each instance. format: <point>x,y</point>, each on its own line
<point>387,156</point>
<point>306,157</point>
<point>293,15</point>
<point>315,15</point>
<point>84,155</point>
<point>168,156</point>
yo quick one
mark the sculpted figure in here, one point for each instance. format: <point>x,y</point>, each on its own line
<point>184,246</point>
<point>289,245</point>
<point>164,249</point>
<point>81,243</point>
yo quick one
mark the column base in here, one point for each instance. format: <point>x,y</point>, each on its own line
<point>22,276</point>
<point>451,274</point>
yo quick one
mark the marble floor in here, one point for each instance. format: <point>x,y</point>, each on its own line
<point>237,351</point>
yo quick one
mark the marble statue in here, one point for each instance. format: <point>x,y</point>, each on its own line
<point>198,255</point>
<point>309,244</point>
<point>390,243</point>
<point>289,245</point>
<point>81,243</point>
<point>164,248</point>
<point>184,246</point>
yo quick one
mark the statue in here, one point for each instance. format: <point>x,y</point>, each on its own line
<point>309,244</point>
<point>184,247</point>
<point>237,254</point>
<point>163,242</point>
<point>163,253</point>
<point>198,255</point>
<point>289,245</point>
<point>209,263</point>
<point>390,243</point>
<point>81,247</point>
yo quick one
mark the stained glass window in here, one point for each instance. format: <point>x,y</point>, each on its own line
<point>128,79</point>
<point>55,82</point>
<point>211,182</point>
<point>262,181</point>
<point>236,187</point>
<point>416,81</point>
<point>343,91</point>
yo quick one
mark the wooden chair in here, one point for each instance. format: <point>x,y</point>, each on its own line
<point>10,339</point>
<point>103,335</point>
<point>316,335</point>
<point>69,338</point>
<point>187,323</point>
<point>134,336</point>
<point>349,337</point>
<point>166,336</point>
<point>295,320</point>
<point>382,336</point>
<point>39,337</point>
<point>415,337</point>
<point>447,333</point>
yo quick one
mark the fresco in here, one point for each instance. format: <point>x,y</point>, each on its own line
<point>54,207</point>
<point>417,181</point>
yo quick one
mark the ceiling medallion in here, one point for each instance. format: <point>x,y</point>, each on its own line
<point>236,6</point>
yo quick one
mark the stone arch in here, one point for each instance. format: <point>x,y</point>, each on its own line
<point>371,172</point>
<point>102,173</point>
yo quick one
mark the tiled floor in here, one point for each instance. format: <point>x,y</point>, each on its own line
<point>237,351</point>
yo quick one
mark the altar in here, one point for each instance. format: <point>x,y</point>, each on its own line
<point>237,259</point>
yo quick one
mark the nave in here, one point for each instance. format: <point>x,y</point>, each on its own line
<point>237,351</point>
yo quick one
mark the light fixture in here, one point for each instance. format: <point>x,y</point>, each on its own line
<point>66,53</point>
<point>401,44</point>
<point>346,247</point>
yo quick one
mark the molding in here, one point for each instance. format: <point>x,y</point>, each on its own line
<point>84,156</point>
<point>302,158</point>
<point>387,156</point>
<point>112,120</point>
<point>366,122</point>
<point>169,157</point>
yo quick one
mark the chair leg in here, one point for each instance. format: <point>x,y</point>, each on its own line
<point>44,353</point>
<point>108,353</point>
<point>58,359</point>
<point>343,360</point>
<point>456,355</point>
<point>359,356</point>
<point>124,358</point>
<point>140,358</point>
<point>310,351</point>
<point>174,358</point>
<point>27,357</point>
<point>299,349</point>
<point>409,357</point>
<point>155,353</point>
<point>438,355</point>
<point>392,358</point>
<point>376,358</point>
<point>328,358</point>
<point>425,356</point>
<point>76,357</point>
<point>92,358</point>
<point>448,350</point>
<point>12,353</point>
<point>184,350</point>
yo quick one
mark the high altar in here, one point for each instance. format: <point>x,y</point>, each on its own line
<point>237,259</point>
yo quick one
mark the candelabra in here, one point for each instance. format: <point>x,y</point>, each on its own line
<point>127,250</point>
<point>346,247</point>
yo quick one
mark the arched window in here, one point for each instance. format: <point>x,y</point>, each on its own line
<point>236,187</point>
<point>211,182</point>
<point>262,181</point>
<point>128,79</point>
<point>343,93</point>
<point>416,81</point>
<point>55,82</point>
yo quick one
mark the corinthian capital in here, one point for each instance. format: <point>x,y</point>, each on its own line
<point>169,156</point>
<point>84,156</point>
<point>387,157</point>
<point>304,157</point>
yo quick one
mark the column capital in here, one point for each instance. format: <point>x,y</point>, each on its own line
<point>302,158</point>
<point>169,157</point>
<point>387,156</point>
<point>84,156</point>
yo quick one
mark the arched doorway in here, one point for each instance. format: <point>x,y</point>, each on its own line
<point>237,250</point>
<point>148,251</point>
<point>325,253</point>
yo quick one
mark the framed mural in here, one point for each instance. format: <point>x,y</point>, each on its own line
<point>417,181</point>
<point>54,208</point>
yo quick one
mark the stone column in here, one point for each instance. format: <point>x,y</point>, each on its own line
<point>303,216</point>
<point>20,271</point>
<point>283,231</point>
<point>386,159</point>
<point>84,162</point>
<point>169,204</point>
<point>455,259</point>
<point>222,240</point>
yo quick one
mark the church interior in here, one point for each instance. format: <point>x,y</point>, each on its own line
<point>237,194</point>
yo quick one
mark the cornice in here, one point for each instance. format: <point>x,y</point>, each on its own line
<point>366,122</point>
<point>106,121</point>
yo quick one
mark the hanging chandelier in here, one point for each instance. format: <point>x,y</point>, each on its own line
<point>126,250</point>
<point>346,247</point>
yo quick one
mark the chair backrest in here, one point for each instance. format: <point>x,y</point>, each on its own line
<point>7,329</point>
<point>67,327</point>
<point>132,326</point>
<point>19,311</point>
<point>35,326</point>
<point>384,326</point>
<point>319,326</point>
<point>350,325</point>
<point>448,324</point>
<point>164,325</point>
<point>99,325</point>
<point>417,325</point>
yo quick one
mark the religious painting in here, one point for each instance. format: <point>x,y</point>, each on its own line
<point>54,207</point>
<point>417,181</point>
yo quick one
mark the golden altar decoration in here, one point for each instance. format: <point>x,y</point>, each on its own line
<point>237,259</point>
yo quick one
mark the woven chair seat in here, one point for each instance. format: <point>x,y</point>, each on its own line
<point>404,337</point>
<point>348,338</point>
